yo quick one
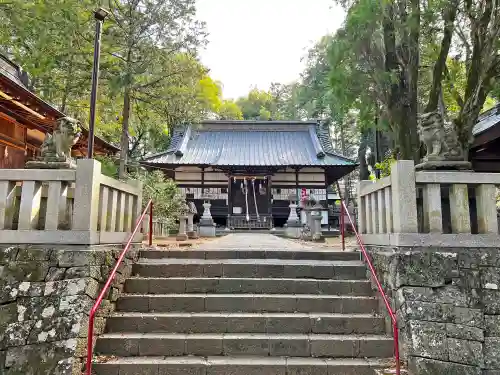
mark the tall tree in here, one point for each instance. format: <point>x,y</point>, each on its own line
<point>151,79</point>
<point>478,31</point>
<point>148,38</point>
<point>52,41</point>
<point>258,105</point>
<point>229,110</point>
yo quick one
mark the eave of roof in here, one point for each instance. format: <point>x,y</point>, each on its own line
<point>252,143</point>
<point>487,128</point>
<point>48,109</point>
<point>487,120</point>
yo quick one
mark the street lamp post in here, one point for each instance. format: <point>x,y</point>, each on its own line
<point>100,15</point>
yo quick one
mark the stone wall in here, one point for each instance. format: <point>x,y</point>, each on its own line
<point>448,306</point>
<point>46,293</point>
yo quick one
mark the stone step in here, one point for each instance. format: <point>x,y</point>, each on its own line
<point>247,285</point>
<point>247,303</point>
<point>237,366</point>
<point>315,254</point>
<point>245,323</point>
<point>239,344</point>
<point>255,268</point>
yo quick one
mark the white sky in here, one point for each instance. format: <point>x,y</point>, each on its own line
<point>257,42</point>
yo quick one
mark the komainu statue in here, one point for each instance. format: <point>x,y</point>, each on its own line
<point>56,148</point>
<point>439,139</point>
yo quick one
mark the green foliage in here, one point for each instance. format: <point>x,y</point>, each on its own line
<point>445,46</point>
<point>151,79</point>
<point>258,105</point>
<point>229,110</point>
<point>385,166</point>
<point>108,166</point>
<point>167,198</point>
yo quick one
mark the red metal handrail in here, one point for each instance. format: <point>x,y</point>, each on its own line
<point>344,211</point>
<point>111,276</point>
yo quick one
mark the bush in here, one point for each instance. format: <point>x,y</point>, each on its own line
<point>108,166</point>
<point>167,198</point>
<point>384,167</point>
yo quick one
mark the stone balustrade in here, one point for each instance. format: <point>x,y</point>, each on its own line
<point>81,206</point>
<point>429,208</point>
<point>160,228</point>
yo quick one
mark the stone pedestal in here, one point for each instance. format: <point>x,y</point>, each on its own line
<point>207,226</point>
<point>293,229</point>
<point>181,235</point>
<point>191,233</point>
<point>43,164</point>
<point>444,165</point>
<point>207,230</point>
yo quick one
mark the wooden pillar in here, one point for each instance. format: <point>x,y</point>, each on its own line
<point>297,192</point>
<point>268,188</point>
<point>229,197</point>
<point>326,201</point>
<point>202,181</point>
<point>297,184</point>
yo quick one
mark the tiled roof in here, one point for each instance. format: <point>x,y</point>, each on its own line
<point>12,71</point>
<point>487,120</point>
<point>251,143</point>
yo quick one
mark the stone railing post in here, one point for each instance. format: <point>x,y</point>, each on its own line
<point>404,197</point>
<point>86,201</point>
<point>362,221</point>
<point>486,211</point>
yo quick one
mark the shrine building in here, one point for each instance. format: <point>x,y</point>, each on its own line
<point>250,169</point>
<point>25,120</point>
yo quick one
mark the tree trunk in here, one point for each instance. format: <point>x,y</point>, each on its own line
<point>124,140</point>
<point>67,87</point>
<point>364,173</point>
<point>450,14</point>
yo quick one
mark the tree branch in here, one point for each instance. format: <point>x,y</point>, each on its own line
<point>449,16</point>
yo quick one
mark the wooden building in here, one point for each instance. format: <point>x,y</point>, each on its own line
<point>485,150</point>
<point>25,119</point>
<point>251,168</point>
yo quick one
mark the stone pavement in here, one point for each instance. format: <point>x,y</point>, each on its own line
<point>252,241</point>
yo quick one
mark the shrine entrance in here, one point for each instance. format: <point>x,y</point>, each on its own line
<point>249,202</point>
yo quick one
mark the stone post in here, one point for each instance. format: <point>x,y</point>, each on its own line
<point>181,235</point>
<point>404,197</point>
<point>309,221</point>
<point>316,226</point>
<point>293,225</point>
<point>191,233</point>
<point>86,206</point>
<point>207,226</point>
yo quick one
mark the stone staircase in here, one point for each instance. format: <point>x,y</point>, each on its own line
<point>245,312</point>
